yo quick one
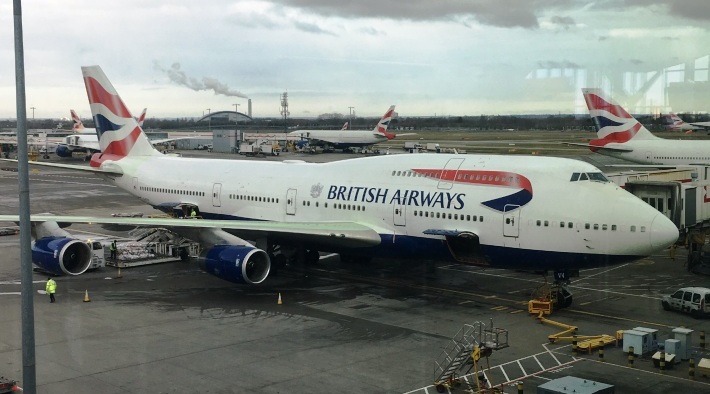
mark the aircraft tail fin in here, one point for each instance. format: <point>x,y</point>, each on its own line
<point>382,125</point>
<point>78,124</point>
<point>345,126</point>
<point>613,123</point>
<point>141,117</point>
<point>118,131</point>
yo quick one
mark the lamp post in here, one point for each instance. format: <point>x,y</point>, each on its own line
<point>209,120</point>
<point>350,122</point>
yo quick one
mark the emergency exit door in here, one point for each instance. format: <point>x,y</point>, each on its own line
<point>216,190</point>
<point>291,202</point>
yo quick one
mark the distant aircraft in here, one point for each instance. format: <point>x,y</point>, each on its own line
<point>345,126</point>
<point>347,139</point>
<point>518,212</point>
<point>620,135</point>
<point>677,124</point>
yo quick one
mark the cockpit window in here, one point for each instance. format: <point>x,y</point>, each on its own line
<point>597,177</point>
<point>588,176</point>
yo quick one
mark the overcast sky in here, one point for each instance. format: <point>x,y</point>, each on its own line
<point>443,57</point>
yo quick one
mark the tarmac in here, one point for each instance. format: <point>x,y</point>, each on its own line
<point>375,328</point>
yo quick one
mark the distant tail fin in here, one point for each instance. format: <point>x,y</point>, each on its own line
<point>345,126</point>
<point>119,133</point>
<point>141,117</point>
<point>78,124</point>
<point>613,123</point>
<point>385,122</point>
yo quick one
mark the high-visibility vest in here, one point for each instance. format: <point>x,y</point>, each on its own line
<point>51,287</point>
<point>193,213</point>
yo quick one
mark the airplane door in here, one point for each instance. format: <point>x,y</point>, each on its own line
<point>511,219</point>
<point>399,211</point>
<point>291,202</point>
<point>449,174</point>
<point>216,190</point>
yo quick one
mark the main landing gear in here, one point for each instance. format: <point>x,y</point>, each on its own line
<point>553,296</point>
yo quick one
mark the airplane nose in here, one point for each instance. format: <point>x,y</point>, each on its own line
<point>664,233</point>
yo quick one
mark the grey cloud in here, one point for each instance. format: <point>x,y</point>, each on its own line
<point>178,76</point>
<point>311,28</point>
<point>565,22</point>
<point>502,13</point>
<point>557,64</point>
<point>372,31</point>
<point>689,9</point>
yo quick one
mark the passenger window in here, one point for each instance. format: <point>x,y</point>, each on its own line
<point>547,223</point>
<point>604,227</point>
<point>538,223</point>
<point>643,229</point>
<point>586,226</point>
<point>562,224</point>
<point>613,227</point>
<point>570,225</point>
<point>596,226</point>
<point>633,229</point>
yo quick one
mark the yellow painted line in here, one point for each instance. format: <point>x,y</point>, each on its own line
<point>585,303</point>
<point>500,308</point>
<point>465,302</point>
<point>490,296</point>
<point>517,311</point>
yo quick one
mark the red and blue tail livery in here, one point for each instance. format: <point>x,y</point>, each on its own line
<point>118,131</point>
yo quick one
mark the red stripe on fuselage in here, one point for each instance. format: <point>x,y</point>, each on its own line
<point>479,177</point>
<point>98,95</point>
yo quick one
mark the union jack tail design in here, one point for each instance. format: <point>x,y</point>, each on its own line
<point>118,131</point>
<point>78,124</point>
<point>382,125</point>
<point>613,123</point>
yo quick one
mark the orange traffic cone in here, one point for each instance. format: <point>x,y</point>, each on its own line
<point>86,296</point>
<point>280,299</point>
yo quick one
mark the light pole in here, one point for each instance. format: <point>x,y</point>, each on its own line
<point>236,116</point>
<point>350,122</point>
<point>209,120</point>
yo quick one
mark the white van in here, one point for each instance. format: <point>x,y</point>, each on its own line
<point>693,300</point>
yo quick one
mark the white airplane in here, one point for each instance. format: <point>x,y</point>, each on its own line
<point>677,124</point>
<point>516,212</point>
<point>620,135</point>
<point>84,139</point>
<point>346,139</point>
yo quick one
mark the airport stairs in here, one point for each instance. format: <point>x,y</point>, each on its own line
<point>460,351</point>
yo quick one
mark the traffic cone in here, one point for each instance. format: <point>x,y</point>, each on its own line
<point>86,296</point>
<point>119,273</point>
<point>280,299</point>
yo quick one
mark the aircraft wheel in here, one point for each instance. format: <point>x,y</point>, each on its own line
<point>312,257</point>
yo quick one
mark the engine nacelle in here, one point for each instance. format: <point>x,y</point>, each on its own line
<point>61,255</point>
<point>63,151</point>
<point>236,263</point>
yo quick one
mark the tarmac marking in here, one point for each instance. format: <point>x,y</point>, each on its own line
<point>11,293</point>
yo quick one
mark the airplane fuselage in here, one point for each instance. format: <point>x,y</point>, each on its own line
<point>526,214</point>
<point>662,151</point>
<point>340,139</point>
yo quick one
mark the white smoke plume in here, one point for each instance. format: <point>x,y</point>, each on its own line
<point>178,76</point>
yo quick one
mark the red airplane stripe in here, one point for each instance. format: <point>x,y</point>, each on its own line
<point>97,94</point>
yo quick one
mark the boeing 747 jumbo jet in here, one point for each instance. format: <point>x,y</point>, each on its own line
<point>675,123</point>
<point>348,139</point>
<point>620,135</point>
<point>517,212</point>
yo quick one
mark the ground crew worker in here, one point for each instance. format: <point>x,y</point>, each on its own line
<point>113,249</point>
<point>51,288</point>
<point>193,213</point>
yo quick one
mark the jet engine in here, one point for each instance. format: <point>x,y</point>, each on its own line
<point>63,151</point>
<point>237,263</point>
<point>61,255</point>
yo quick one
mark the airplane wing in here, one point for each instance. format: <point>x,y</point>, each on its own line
<point>105,169</point>
<point>704,125</point>
<point>345,234</point>
<point>164,140</point>
<point>600,148</point>
<point>403,134</point>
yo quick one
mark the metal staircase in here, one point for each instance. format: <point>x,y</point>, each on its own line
<point>458,353</point>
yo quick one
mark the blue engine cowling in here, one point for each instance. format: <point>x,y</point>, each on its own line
<point>238,264</point>
<point>63,151</point>
<point>61,255</point>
